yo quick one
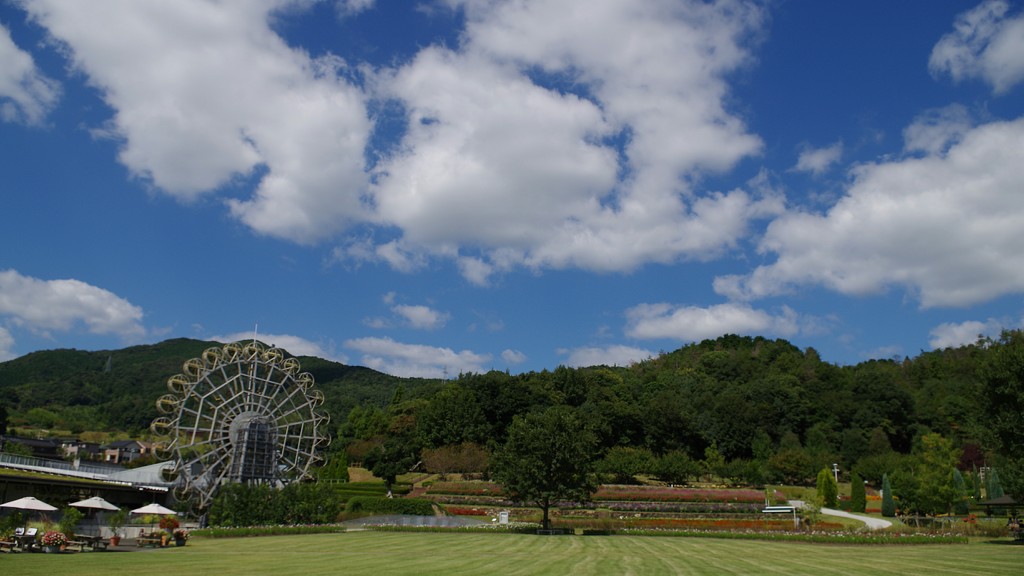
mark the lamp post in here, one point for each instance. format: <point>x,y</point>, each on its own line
<point>835,470</point>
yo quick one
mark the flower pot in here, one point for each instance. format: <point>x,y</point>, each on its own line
<point>51,549</point>
<point>179,541</point>
<point>115,540</point>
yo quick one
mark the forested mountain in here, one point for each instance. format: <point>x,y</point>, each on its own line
<point>116,390</point>
<point>753,408</point>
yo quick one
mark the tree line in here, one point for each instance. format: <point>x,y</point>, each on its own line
<point>743,409</point>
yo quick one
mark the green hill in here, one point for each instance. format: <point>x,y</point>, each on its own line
<point>116,390</point>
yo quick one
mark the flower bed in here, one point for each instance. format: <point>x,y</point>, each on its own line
<point>670,507</point>
<point>715,524</point>
<point>660,494</point>
<point>466,489</point>
<point>467,511</point>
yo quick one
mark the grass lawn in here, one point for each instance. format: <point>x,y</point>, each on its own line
<point>384,553</point>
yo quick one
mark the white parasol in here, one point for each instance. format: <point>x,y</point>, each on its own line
<point>29,503</point>
<point>95,502</point>
<point>153,508</point>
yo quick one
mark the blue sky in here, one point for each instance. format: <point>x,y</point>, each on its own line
<point>447,186</point>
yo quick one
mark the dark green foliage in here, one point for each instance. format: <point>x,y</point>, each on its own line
<point>960,487</point>
<point>548,457</point>
<point>677,467</point>
<point>993,487</point>
<point>384,505</point>
<point>335,468</point>
<point>888,502</point>
<point>858,495</point>
<point>622,465</point>
<point>261,505</point>
<point>69,519</point>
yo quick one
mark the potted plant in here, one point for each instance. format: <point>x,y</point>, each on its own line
<point>53,540</point>
<point>168,523</point>
<point>116,521</point>
<point>180,536</point>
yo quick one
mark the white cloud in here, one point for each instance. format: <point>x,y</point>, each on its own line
<point>936,130</point>
<point>693,323</point>
<point>295,345</point>
<point>946,227</point>
<point>499,170</point>
<point>416,360</point>
<point>557,135</point>
<point>6,345</point>
<point>606,356</point>
<point>44,305</point>
<point>953,335</point>
<point>817,161</point>
<point>350,7</point>
<point>513,356</point>
<point>422,317</point>
<point>26,95</point>
<point>985,44</point>
<point>206,92</point>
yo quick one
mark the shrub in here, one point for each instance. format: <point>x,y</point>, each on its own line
<point>69,520</point>
<point>375,505</point>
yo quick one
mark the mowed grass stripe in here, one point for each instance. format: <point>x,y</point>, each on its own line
<point>387,553</point>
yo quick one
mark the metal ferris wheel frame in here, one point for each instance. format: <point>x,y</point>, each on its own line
<point>241,413</point>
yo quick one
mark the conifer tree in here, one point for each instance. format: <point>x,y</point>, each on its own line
<point>960,494</point>
<point>858,495</point>
<point>828,490</point>
<point>888,504</point>
<point>993,489</point>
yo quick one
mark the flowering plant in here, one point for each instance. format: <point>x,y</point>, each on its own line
<point>181,534</point>
<point>54,538</point>
<point>169,523</point>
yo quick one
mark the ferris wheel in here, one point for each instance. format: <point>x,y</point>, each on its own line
<point>241,413</point>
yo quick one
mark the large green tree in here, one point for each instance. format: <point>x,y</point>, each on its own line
<point>548,456</point>
<point>1003,376</point>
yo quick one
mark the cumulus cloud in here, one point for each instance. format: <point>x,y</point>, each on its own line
<point>6,345</point>
<point>513,356</point>
<point>946,227</point>
<point>693,323</point>
<point>985,43</point>
<point>42,306</point>
<point>205,93</point>
<point>26,94</point>
<point>416,360</point>
<point>605,356</point>
<point>936,130</point>
<point>422,317</point>
<point>817,161</point>
<point>510,157</point>
<point>953,335</point>
<point>295,345</point>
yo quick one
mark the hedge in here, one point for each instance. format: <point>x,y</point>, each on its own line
<point>378,505</point>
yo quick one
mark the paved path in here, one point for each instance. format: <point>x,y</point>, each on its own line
<point>870,522</point>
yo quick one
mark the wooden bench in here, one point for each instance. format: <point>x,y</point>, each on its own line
<point>80,544</point>
<point>148,541</point>
<point>93,542</point>
<point>9,546</point>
